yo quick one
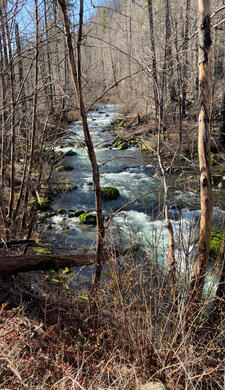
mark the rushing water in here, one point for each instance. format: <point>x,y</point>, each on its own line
<point>133,173</point>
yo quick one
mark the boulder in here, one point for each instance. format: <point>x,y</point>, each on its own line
<point>110,193</point>
<point>73,116</point>
<point>88,219</point>
<point>70,153</point>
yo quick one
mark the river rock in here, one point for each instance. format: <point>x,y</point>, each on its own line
<point>152,386</point>
<point>70,153</point>
<point>110,193</point>
<point>73,116</point>
<point>88,219</point>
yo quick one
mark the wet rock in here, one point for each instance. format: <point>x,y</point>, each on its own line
<point>110,193</point>
<point>70,153</point>
<point>88,219</point>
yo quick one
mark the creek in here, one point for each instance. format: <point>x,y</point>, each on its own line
<point>133,172</point>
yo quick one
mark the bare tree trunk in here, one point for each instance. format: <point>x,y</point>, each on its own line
<point>171,261</point>
<point>222,121</point>
<point>50,84</point>
<point>154,68</point>
<point>12,113</point>
<point>21,83</point>
<point>76,76</point>
<point>201,261</point>
<point>3,115</point>
<point>185,66</point>
<point>34,117</point>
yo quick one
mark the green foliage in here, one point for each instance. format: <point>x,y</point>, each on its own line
<point>120,145</point>
<point>216,241</point>
<point>110,193</point>
<point>44,251</point>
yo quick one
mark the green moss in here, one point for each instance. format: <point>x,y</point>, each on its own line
<point>45,251</point>
<point>70,153</point>
<point>216,241</point>
<point>120,144</point>
<point>61,168</point>
<point>88,219</point>
<point>110,193</point>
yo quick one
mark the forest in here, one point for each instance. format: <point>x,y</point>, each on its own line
<point>112,194</point>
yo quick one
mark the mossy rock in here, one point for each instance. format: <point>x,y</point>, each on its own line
<point>110,193</point>
<point>70,153</point>
<point>88,219</point>
<point>216,241</point>
<point>120,145</point>
<point>62,168</point>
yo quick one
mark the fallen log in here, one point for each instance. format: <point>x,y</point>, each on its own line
<point>11,265</point>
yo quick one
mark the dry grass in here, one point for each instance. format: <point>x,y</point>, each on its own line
<point>50,337</point>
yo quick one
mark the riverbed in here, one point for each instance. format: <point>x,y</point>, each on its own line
<point>133,172</point>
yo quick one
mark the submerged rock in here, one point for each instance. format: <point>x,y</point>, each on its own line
<point>88,219</point>
<point>110,193</point>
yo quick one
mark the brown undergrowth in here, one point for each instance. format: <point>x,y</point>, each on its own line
<point>51,339</point>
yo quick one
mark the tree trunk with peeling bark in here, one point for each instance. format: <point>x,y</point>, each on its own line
<point>201,261</point>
